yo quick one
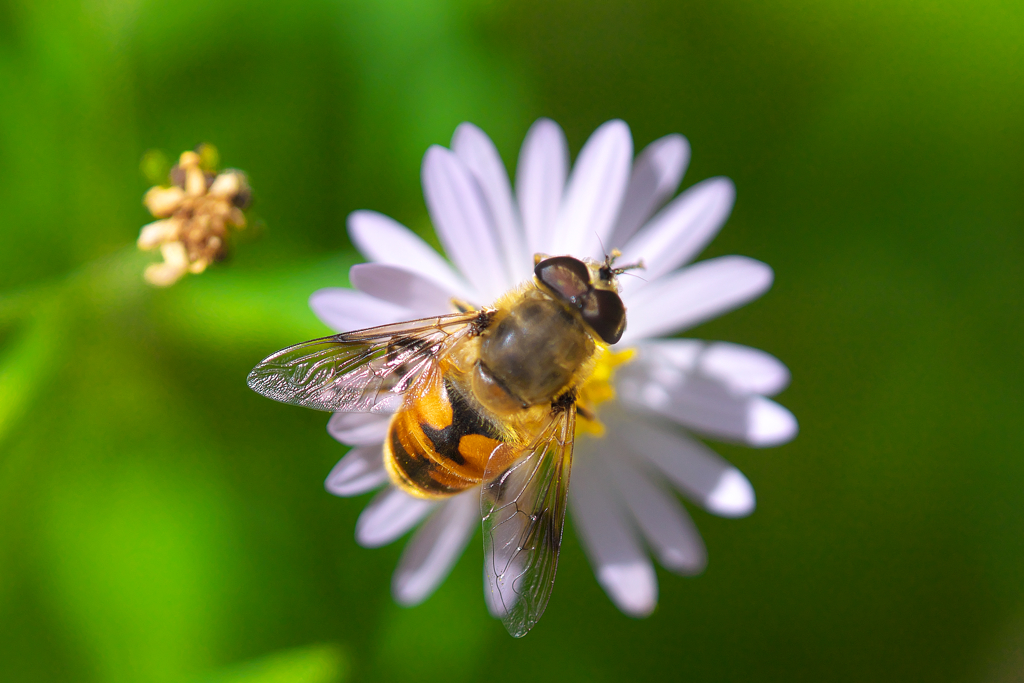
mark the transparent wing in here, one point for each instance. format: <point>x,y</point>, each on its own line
<point>364,370</point>
<point>523,512</point>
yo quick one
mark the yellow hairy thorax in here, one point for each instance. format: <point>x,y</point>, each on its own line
<point>599,389</point>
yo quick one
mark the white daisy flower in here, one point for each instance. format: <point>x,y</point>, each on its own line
<point>650,394</point>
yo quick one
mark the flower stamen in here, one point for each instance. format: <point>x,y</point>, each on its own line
<point>599,389</point>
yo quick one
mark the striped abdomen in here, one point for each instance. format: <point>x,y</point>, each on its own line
<point>437,445</point>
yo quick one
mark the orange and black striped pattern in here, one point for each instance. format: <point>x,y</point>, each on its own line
<point>438,445</point>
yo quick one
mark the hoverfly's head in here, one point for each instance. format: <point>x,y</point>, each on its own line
<point>589,287</point>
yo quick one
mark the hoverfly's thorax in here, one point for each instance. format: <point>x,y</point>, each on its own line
<point>531,354</point>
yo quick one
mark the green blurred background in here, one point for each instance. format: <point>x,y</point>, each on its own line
<point>159,522</point>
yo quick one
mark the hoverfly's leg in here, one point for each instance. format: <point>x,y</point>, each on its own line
<point>585,412</point>
<point>462,306</point>
<point>564,402</point>
<point>483,321</point>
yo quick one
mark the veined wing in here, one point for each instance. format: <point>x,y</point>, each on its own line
<point>361,370</point>
<point>523,511</point>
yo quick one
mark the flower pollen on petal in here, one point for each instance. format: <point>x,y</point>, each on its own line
<point>599,389</point>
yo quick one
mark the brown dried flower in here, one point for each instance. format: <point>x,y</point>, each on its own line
<point>196,212</point>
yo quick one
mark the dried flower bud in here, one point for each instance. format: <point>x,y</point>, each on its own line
<point>197,209</point>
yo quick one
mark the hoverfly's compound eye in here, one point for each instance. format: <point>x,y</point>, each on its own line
<point>565,276</point>
<point>606,315</point>
<point>569,279</point>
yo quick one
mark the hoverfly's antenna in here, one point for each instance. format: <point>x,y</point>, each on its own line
<point>604,250</point>
<point>638,265</point>
<point>608,271</point>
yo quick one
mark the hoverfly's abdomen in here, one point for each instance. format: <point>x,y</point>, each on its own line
<point>533,352</point>
<point>436,445</point>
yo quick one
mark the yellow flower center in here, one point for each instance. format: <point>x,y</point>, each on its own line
<point>598,389</point>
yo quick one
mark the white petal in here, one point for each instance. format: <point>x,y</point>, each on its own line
<point>463,224</point>
<point>359,429</point>
<point>385,240</point>
<point>388,405</point>
<point>430,555</point>
<point>700,292</point>
<point>769,424</point>
<point>361,470</point>
<point>540,182</point>
<point>657,171</point>
<point>632,585</point>
<point>594,192</point>
<point>345,310</point>
<point>732,496</point>
<point>700,473</point>
<point>664,522</point>
<point>403,288</point>
<point>741,369</point>
<point>492,598</point>
<point>388,516</point>
<point>680,231</point>
<point>499,604</point>
<point>620,562</point>
<point>704,405</point>
<point>481,157</point>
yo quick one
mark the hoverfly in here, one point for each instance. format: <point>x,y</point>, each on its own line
<point>480,397</point>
